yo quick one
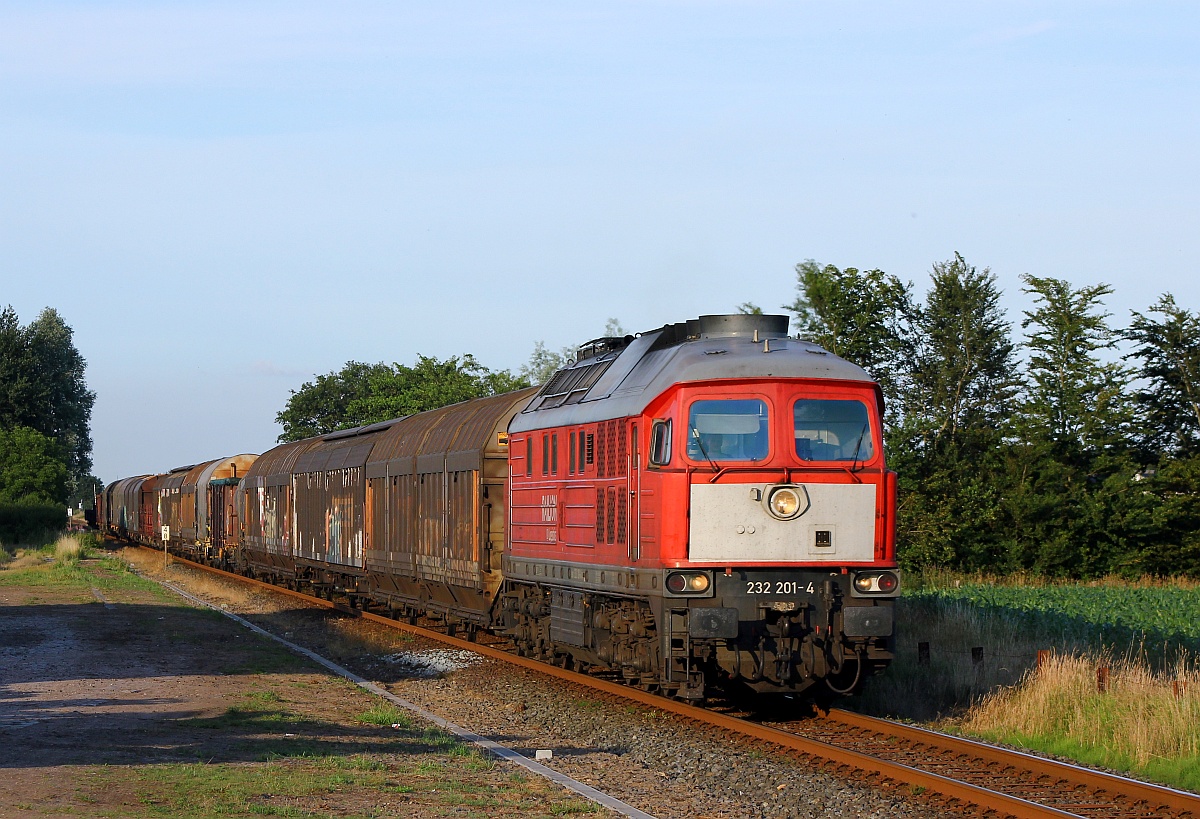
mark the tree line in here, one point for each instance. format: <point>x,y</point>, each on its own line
<point>361,394</point>
<point>1068,448</point>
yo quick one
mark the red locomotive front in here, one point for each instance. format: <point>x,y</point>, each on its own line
<point>704,504</point>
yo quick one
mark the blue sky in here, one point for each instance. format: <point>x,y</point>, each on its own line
<point>224,199</point>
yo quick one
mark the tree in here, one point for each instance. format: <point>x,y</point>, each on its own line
<point>959,391</point>
<point>323,405</point>
<point>62,400</point>
<point>1069,467</point>
<point>749,308</point>
<point>1075,401</point>
<point>361,394</point>
<point>33,468</point>
<point>399,390</point>
<point>543,363</point>
<point>964,377</point>
<point>1167,407</point>
<point>1173,546</point>
<point>1168,348</point>
<point>42,387</point>
<point>861,316</point>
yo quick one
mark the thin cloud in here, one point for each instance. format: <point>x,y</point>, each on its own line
<point>269,369</point>
<point>1010,34</point>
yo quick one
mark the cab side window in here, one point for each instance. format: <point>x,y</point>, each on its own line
<point>660,443</point>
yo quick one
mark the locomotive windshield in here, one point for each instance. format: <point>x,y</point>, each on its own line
<point>832,430</point>
<point>728,430</point>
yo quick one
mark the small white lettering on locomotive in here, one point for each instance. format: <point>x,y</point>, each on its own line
<point>778,587</point>
<point>549,508</point>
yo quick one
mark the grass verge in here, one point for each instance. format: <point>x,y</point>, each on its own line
<point>980,674</point>
<point>75,561</point>
<point>362,786</point>
<point>1144,722</point>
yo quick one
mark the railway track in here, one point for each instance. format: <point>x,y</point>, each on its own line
<point>1035,786</point>
<point>966,776</point>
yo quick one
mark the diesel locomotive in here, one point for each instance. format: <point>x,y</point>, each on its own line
<point>701,505</point>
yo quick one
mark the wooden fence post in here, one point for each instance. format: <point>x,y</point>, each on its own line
<point>1043,657</point>
<point>1102,679</point>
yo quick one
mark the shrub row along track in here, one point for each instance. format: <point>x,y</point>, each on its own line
<point>970,777</point>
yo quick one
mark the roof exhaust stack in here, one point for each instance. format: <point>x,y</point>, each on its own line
<point>739,325</point>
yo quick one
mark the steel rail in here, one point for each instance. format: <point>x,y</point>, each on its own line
<point>1132,788</point>
<point>988,800</point>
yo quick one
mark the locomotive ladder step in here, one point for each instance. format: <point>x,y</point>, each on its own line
<point>684,649</point>
<point>681,634</point>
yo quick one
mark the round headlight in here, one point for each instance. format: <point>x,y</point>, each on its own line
<point>888,582</point>
<point>784,502</point>
<point>863,582</point>
<point>687,582</point>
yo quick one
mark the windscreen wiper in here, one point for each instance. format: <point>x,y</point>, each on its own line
<point>703,451</point>
<point>857,447</point>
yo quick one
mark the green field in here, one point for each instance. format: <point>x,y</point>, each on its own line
<point>1160,618</point>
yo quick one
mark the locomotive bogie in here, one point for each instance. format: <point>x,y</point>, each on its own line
<point>777,630</point>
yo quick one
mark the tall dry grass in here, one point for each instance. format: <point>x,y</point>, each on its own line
<point>66,552</point>
<point>1145,721</point>
<point>25,559</point>
<point>68,549</point>
<point>1010,638</point>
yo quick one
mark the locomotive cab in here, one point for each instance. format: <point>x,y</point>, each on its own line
<point>737,528</point>
<point>784,575</point>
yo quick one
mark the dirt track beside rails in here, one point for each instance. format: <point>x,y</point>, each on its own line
<point>108,699</point>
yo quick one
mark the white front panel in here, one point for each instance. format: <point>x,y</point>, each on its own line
<point>729,523</point>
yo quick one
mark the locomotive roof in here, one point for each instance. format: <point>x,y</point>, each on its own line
<point>624,375</point>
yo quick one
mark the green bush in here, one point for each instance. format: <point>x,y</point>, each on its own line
<point>31,524</point>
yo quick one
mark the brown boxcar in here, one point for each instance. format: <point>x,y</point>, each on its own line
<point>187,494</point>
<point>329,492</point>
<point>263,506</point>
<point>435,502</point>
<point>149,529</point>
<point>121,506</point>
<point>170,514</point>
<point>216,516</point>
<point>409,512</point>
